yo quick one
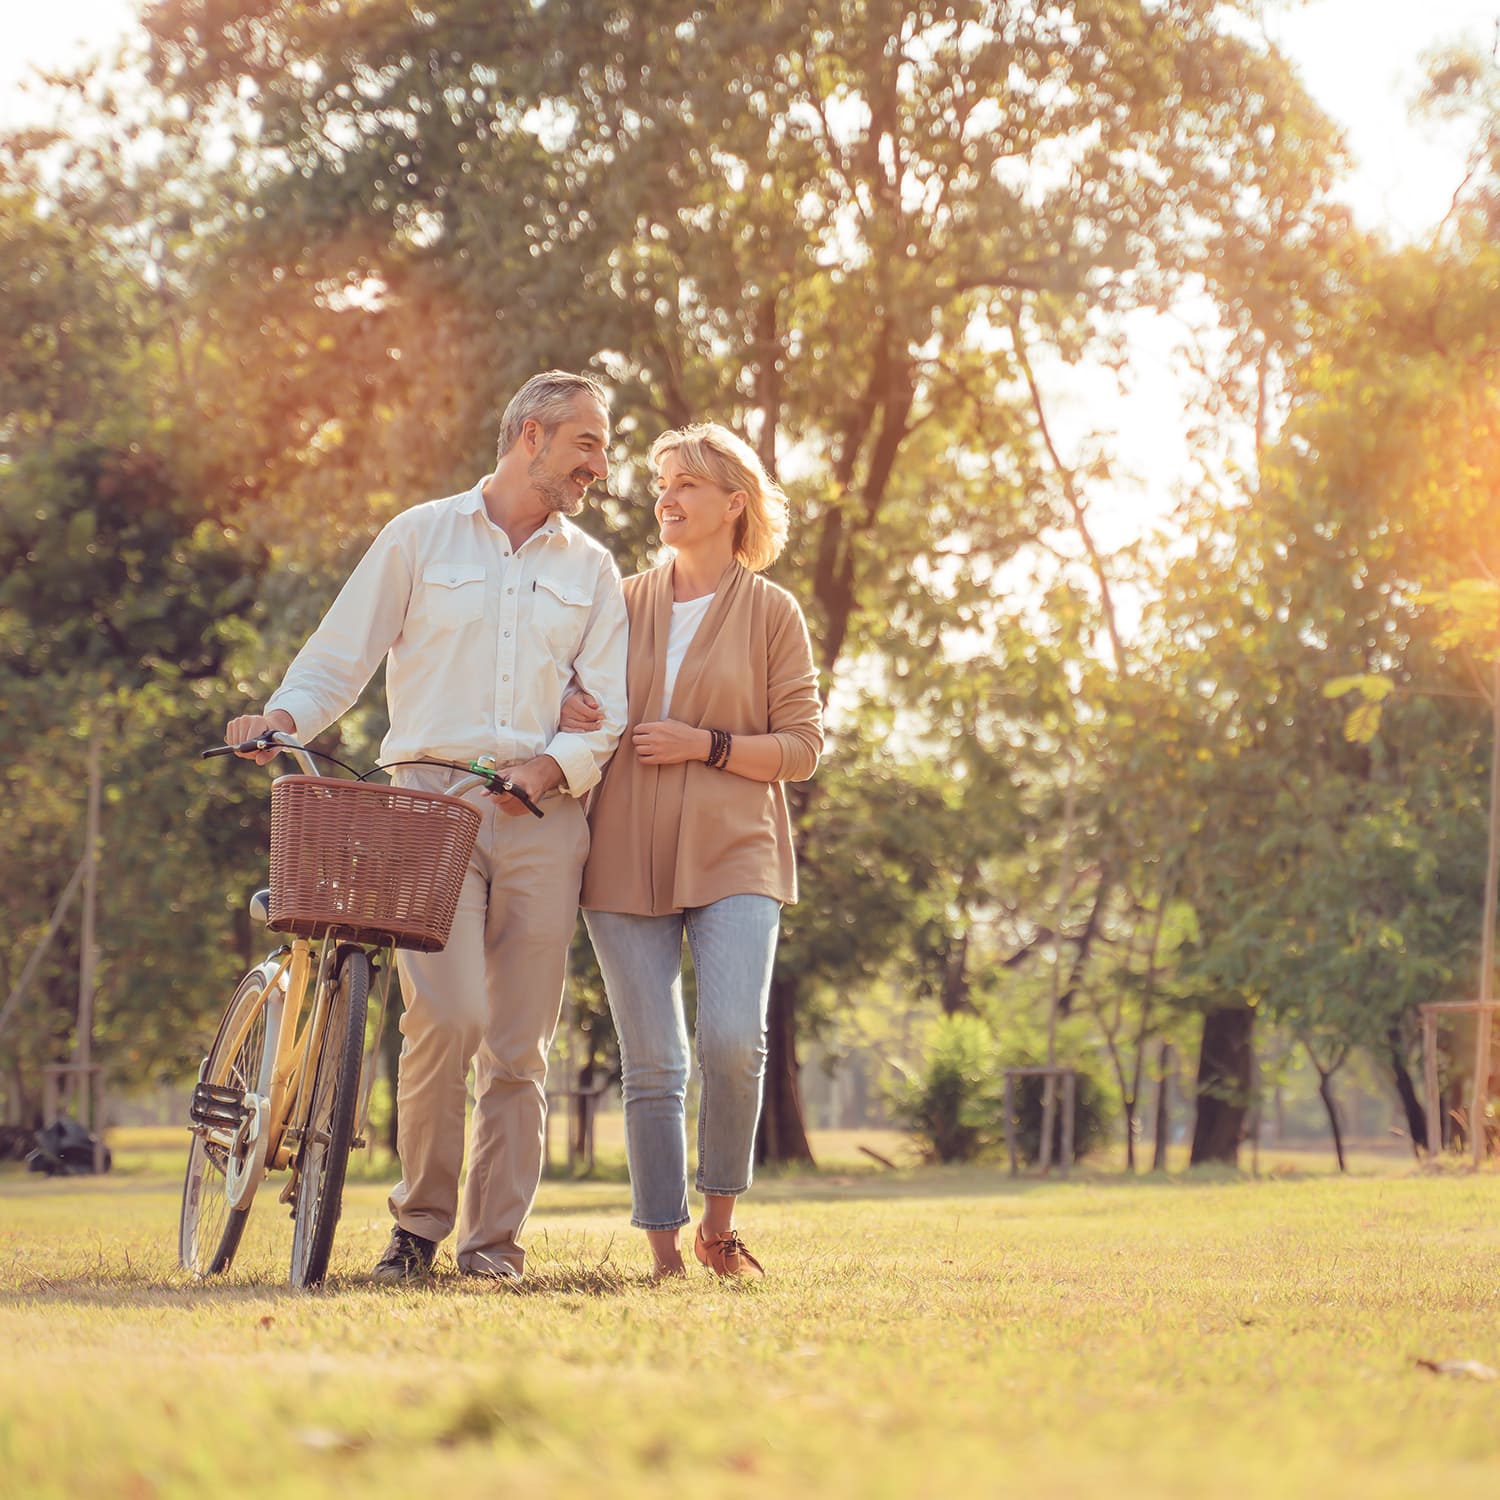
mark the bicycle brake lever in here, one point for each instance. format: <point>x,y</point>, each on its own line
<point>499,783</point>
<point>260,744</point>
<point>520,796</point>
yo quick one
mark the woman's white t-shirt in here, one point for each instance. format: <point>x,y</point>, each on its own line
<point>686,618</point>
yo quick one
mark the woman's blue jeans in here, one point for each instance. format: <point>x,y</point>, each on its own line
<point>733,943</point>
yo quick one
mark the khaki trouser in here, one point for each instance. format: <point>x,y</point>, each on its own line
<point>493,996</point>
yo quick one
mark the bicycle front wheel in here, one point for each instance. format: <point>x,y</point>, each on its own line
<point>328,1135</point>
<point>210,1227</point>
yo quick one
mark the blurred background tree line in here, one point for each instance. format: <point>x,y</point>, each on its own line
<point>274,280</point>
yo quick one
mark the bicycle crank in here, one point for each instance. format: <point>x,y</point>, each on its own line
<point>247,1154</point>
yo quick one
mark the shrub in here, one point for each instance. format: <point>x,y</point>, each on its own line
<point>955,1103</point>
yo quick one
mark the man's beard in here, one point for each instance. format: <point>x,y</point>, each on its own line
<point>556,490</point>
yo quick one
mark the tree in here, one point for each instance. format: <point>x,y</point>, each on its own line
<point>837,226</point>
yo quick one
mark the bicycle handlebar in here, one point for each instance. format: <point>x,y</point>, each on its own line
<point>276,740</point>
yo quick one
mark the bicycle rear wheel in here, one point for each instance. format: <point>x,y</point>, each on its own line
<point>323,1157</point>
<point>209,1227</point>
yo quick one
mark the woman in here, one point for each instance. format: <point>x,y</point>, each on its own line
<point>691,836</point>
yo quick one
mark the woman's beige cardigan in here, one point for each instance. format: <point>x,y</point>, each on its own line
<point>669,837</point>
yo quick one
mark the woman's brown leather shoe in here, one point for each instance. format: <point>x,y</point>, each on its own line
<point>725,1255</point>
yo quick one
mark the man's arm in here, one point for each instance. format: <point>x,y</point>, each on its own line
<point>599,670</point>
<point>340,657</point>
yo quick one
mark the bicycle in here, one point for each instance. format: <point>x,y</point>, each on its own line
<point>357,870</point>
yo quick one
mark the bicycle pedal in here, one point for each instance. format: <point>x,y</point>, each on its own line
<point>215,1104</point>
<point>358,1143</point>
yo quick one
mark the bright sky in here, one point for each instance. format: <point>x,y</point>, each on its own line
<point>1360,59</point>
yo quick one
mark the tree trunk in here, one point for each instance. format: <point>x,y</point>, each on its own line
<point>1416,1116</point>
<point>1224,1066</point>
<point>583,1115</point>
<point>956,984</point>
<point>1163,1109</point>
<point>783,1132</point>
<point>1129,1097</point>
<point>1325,1093</point>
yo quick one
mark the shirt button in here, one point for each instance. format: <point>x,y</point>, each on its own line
<point>506,678</point>
<point>510,591</point>
<point>507,635</point>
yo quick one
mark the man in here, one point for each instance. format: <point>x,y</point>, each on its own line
<point>488,603</point>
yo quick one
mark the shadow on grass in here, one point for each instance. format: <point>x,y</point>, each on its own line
<point>114,1289</point>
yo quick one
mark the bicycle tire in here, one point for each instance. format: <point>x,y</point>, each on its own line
<point>209,1230</point>
<point>323,1156</point>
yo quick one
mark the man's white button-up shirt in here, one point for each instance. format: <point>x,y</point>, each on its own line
<point>483,639</point>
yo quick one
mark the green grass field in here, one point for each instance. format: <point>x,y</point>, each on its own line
<point>923,1333</point>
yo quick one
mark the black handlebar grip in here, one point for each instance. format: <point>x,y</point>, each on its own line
<point>235,749</point>
<point>520,796</point>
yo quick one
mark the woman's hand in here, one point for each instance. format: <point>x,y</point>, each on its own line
<point>580,714</point>
<point>668,742</point>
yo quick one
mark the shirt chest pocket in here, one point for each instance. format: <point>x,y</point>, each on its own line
<point>452,594</point>
<point>562,611</point>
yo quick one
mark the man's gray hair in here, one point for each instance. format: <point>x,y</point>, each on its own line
<point>547,399</point>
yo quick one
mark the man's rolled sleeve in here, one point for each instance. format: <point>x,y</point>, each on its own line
<point>598,669</point>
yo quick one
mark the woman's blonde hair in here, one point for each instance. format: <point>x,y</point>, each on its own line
<point>708,451</point>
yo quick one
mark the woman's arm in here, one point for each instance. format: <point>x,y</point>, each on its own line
<point>790,751</point>
<point>756,757</point>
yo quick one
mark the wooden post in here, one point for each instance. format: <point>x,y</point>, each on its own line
<point>1010,1120</point>
<point>1430,1081</point>
<point>1070,1118</point>
<point>87,959</point>
<point>1064,884</point>
<point>1487,935</point>
<point>99,1110</point>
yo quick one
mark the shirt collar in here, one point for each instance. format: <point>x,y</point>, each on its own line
<point>471,503</point>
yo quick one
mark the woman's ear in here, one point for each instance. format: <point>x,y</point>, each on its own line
<point>738,501</point>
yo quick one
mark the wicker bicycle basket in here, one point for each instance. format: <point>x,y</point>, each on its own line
<point>379,863</point>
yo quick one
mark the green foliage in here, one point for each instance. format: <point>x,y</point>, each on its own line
<point>855,232</point>
<point>952,1101</point>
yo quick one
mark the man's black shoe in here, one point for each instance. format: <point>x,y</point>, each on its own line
<point>408,1257</point>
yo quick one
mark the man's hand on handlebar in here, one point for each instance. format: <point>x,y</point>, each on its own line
<point>536,777</point>
<point>257,726</point>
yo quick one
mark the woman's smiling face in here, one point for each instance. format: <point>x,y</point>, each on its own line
<point>690,509</point>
